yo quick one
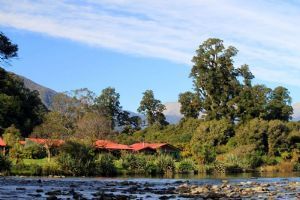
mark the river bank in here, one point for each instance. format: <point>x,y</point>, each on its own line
<point>148,188</point>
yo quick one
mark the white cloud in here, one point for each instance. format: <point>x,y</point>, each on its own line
<point>265,32</point>
<point>296,115</point>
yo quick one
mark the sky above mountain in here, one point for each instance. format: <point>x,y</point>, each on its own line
<point>136,45</point>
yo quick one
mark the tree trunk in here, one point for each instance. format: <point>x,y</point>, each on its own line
<point>48,152</point>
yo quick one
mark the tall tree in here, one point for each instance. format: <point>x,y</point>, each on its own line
<point>18,105</point>
<point>108,103</point>
<point>8,50</point>
<point>93,126</point>
<point>215,78</point>
<point>190,104</point>
<point>152,108</point>
<point>129,123</point>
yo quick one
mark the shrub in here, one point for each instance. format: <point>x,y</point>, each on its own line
<point>27,170</point>
<point>4,164</point>
<point>203,153</point>
<point>76,159</point>
<point>296,167</point>
<point>253,160</point>
<point>165,164</point>
<point>33,150</point>
<point>186,166</point>
<point>134,163</point>
<point>151,167</point>
<point>286,155</point>
<point>104,165</point>
<point>269,160</point>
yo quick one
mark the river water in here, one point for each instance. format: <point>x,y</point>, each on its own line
<point>237,186</point>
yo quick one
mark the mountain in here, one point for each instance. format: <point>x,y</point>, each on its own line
<point>46,94</point>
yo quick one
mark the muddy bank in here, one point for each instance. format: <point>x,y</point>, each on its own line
<point>100,188</point>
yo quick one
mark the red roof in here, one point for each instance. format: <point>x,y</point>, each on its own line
<point>22,142</point>
<point>2,143</point>
<point>106,144</point>
<point>143,145</point>
<point>53,142</point>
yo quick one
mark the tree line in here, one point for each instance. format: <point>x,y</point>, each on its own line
<point>226,116</point>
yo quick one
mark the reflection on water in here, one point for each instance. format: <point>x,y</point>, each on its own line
<point>221,176</point>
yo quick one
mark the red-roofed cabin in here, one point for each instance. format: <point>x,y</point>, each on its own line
<point>155,147</point>
<point>2,146</point>
<point>109,146</point>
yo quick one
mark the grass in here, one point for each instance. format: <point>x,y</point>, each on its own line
<point>40,162</point>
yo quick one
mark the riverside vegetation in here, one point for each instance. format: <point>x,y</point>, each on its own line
<point>229,124</point>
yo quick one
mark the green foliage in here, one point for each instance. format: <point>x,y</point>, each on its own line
<point>279,107</point>
<point>5,164</point>
<point>134,163</point>
<point>215,78</point>
<point>55,126</point>
<point>18,105</point>
<point>190,104</point>
<point>203,153</point>
<point>243,157</point>
<point>186,165</point>
<point>33,150</point>
<point>104,165</point>
<point>253,132</point>
<point>277,137</point>
<point>8,50</point>
<point>152,108</point>
<point>11,136</point>
<point>108,103</point>
<point>296,167</point>
<point>165,164</point>
<point>76,159</point>
<point>214,132</point>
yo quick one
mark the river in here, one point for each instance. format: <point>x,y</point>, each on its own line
<point>236,186</point>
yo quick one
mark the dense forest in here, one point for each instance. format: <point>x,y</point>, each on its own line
<point>228,123</point>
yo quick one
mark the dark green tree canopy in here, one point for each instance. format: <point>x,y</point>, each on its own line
<point>190,104</point>
<point>215,78</point>
<point>108,103</point>
<point>152,108</point>
<point>227,92</point>
<point>8,50</point>
<point>18,105</point>
<point>279,105</point>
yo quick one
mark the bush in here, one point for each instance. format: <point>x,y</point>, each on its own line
<point>5,164</point>
<point>104,165</point>
<point>186,166</point>
<point>165,164</point>
<point>134,163</point>
<point>296,167</point>
<point>269,160</point>
<point>76,159</point>
<point>27,170</point>
<point>204,153</point>
<point>33,150</point>
<point>253,160</point>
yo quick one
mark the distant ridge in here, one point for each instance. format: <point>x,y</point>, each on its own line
<point>46,94</point>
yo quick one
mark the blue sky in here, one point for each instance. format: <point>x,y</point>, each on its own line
<point>134,45</point>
